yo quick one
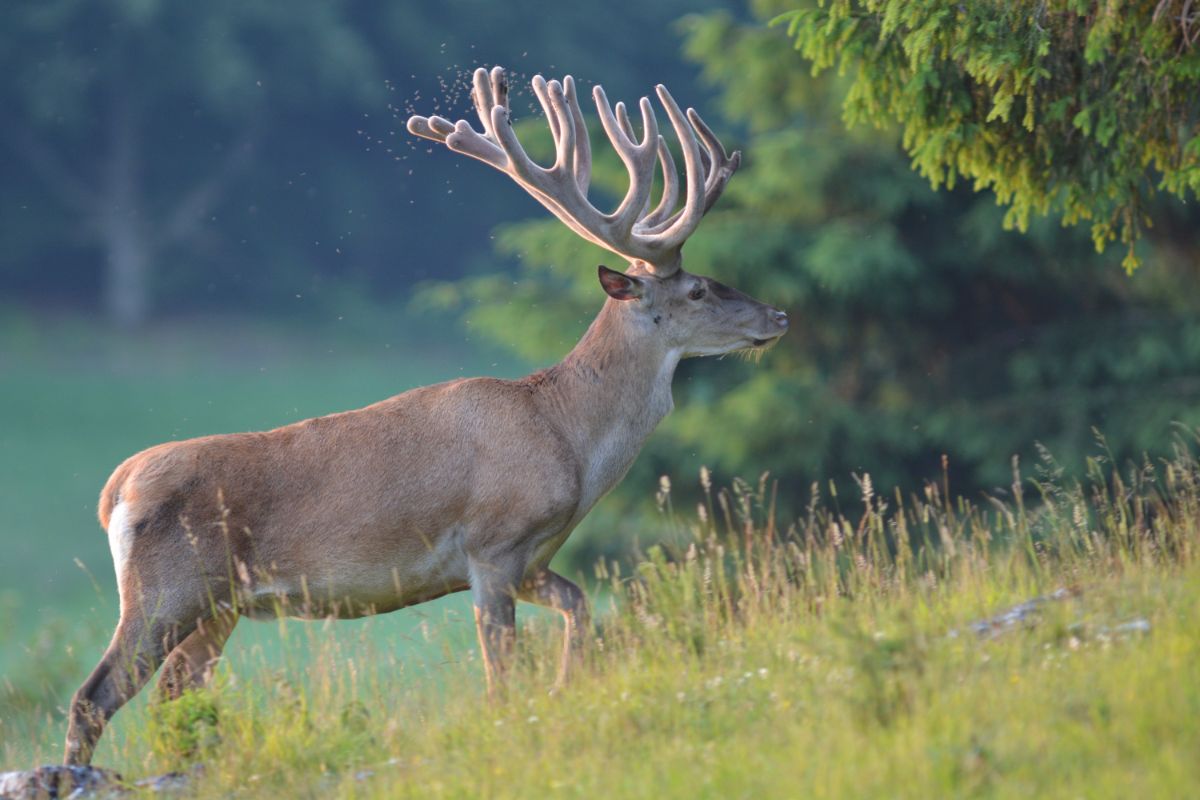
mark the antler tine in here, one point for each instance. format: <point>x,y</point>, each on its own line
<point>499,147</point>
<point>627,128</point>
<point>461,137</point>
<point>499,86</point>
<point>540,183</point>
<point>648,152</point>
<point>484,100</point>
<point>639,159</point>
<point>718,167</point>
<point>436,128</point>
<point>623,121</point>
<point>721,165</point>
<point>633,229</point>
<point>540,89</point>
<point>521,166</point>
<point>583,146</point>
<point>672,233</point>
<point>567,139</point>
<point>464,139</point>
<point>670,193</point>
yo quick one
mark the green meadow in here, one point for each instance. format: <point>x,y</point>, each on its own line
<point>858,650</point>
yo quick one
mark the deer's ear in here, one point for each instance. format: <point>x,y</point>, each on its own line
<point>619,285</point>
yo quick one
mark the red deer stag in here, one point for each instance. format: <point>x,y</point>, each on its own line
<point>472,484</point>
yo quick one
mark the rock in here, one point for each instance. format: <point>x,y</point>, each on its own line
<point>81,783</point>
<point>170,782</point>
<point>1029,613</point>
<point>1112,633</point>
<point>1022,614</point>
<point>55,782</point>
<point>1139,625</point>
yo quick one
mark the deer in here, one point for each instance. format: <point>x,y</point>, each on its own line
<point>470,485</point>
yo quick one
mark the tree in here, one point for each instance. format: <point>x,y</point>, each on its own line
<point>919,326</point>
<point>93,100</point>
<point>237,155</point>
<point>1080,107</point>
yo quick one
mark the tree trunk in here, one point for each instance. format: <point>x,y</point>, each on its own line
<point>126,272</point>
<point>123,234</point>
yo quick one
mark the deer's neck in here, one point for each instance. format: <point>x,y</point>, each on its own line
<point>609,393</point>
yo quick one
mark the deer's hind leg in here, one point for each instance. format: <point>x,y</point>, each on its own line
<point>136,651</point>
<point>190,665</point>
<point>161,605</point>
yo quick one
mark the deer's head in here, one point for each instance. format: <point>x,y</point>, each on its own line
<point>693,314</point>
<point>696,315</point>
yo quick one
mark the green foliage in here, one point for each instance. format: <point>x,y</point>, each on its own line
<point>1078,107</point>
<point>919,326</point>
<point>185,730</point>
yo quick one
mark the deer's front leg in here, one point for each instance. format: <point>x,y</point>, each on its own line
<point>552,590</point>
<point>494,591</point>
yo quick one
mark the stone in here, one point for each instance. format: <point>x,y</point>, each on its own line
<point>83,783</point>
<point>56,782</point>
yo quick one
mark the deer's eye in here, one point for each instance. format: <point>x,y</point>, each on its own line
<point>697,293</point>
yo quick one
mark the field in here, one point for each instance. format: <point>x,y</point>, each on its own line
<point>745,656</point>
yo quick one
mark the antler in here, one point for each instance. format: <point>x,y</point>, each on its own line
<point>633,230</point>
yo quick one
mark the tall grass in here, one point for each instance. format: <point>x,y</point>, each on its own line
<point>745,656</point>
<point>732,563</point>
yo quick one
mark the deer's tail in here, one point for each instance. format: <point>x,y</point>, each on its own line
<point>110,495</point>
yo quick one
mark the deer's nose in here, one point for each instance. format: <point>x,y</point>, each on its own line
<point>780,318</point>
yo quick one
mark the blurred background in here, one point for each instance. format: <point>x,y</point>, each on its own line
<point>213,220</point>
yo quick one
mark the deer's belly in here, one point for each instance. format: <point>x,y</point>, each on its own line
<point>362,584</point>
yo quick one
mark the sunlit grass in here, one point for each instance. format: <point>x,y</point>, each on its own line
<point>748,657</point>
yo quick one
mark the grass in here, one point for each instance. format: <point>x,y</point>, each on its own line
<point>828,657</point>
